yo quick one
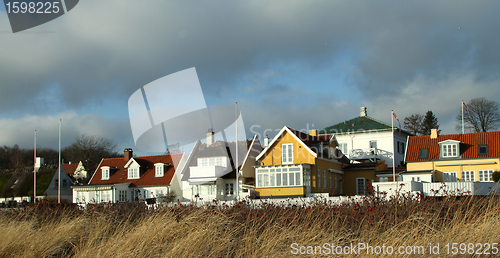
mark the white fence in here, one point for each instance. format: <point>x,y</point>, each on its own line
<point>437,189</point>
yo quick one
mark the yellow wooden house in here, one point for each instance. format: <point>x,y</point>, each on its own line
<point>298,164</point>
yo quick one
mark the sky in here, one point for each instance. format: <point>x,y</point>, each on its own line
<point>304,64</point>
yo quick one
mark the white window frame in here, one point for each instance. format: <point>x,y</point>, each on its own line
<point>450,176</point>
<point>485,175</point>
<point>449,150</point>
<point>105,173</point>
<point>343,148</point>
<point>280,176</point>
<point>159,170</point>
<point>287,153</point>
<point>133,173</point>
<point>229,189</point>
<point>468,176</point>
<point>122,195</point>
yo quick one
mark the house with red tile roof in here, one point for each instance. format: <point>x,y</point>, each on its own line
<point>76,171</point>
<point>131,179</point>
<point>452,163</point>
<point>454,157</point>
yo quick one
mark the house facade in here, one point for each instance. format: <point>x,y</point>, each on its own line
<point>77,171</point>
<point>440,165</point>
<point>367,139</point>
<point>129,179</point>
<point>210,170</point>
<point>471,157</point>
<point>297,164</point>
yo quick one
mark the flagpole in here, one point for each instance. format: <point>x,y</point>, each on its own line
<point>59,175</point>
<point>237,167</point>
<point>34,171</point>
<point>393,154</point>
<point>463,117</point>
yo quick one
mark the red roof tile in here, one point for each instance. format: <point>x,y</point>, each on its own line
<point>147,178</point>
<point>469,147</point>
<point>70,168</point>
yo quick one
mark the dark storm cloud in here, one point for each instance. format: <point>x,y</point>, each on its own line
<point>103,51</point>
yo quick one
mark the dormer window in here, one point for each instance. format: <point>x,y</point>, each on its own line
<point>213,161</point>
<point>105,173</point>
<point>449,149</point>
<point>483,149</point>
<point>133,173</point>
<point>159,169</point>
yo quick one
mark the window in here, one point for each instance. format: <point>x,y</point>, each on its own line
<point>122,196</point>
<point>383,179</point>
<point>360,185</point>
<point>229,189</point>
<point>159,170</point>
<point>423,154</point>
<point>373,144</point>
<point>331,180</point>
<point>449,176</point>
<point>401,147</point>
<point>483,149</point>
<point>105,173</point>
<point>279,176</point>
<point>212,161</point>
<point>133,196</point>
<point>287,153</point>
<point>307,177</point>
<point>336,182</point>
<point>485,175</point>
<point>133,173</point>
<point>343,147</point>
<point>468,176</point>
<point>449,150</point>
<point>324,180</point>
<point>64,183</point>
<point>56,184</point>
<point>318,179</point>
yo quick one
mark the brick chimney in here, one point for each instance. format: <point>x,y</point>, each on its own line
<point>127,154</point>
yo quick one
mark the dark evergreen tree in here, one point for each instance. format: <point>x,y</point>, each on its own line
<point>430,122</point>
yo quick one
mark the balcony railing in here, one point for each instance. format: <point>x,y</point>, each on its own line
<point>371,153</point>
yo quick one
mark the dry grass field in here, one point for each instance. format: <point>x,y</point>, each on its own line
<point>131,230</point>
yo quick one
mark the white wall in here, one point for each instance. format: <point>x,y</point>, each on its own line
<point>384,142</point>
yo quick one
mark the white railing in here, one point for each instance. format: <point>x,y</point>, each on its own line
<point>370,153</point>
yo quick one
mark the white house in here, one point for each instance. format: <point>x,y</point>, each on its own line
<point>210,174</point>
<point>128,179</point>
<point>366,139</point>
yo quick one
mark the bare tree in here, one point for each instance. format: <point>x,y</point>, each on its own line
<point>481,114</point>
<point>90,149</point>
<point>413,124</point>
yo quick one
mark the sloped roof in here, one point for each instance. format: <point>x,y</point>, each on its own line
<point>361,123</point>
<point>120,175</point>
<point>70,168</point>
<point>469,145</point>
<point>216,149</point>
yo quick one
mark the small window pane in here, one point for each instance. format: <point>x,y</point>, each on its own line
<point>291,178</point>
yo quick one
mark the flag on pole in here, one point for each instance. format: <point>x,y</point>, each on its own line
<point>394,114</point>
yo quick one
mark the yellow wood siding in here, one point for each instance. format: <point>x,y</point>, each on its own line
<point>457,166</point>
